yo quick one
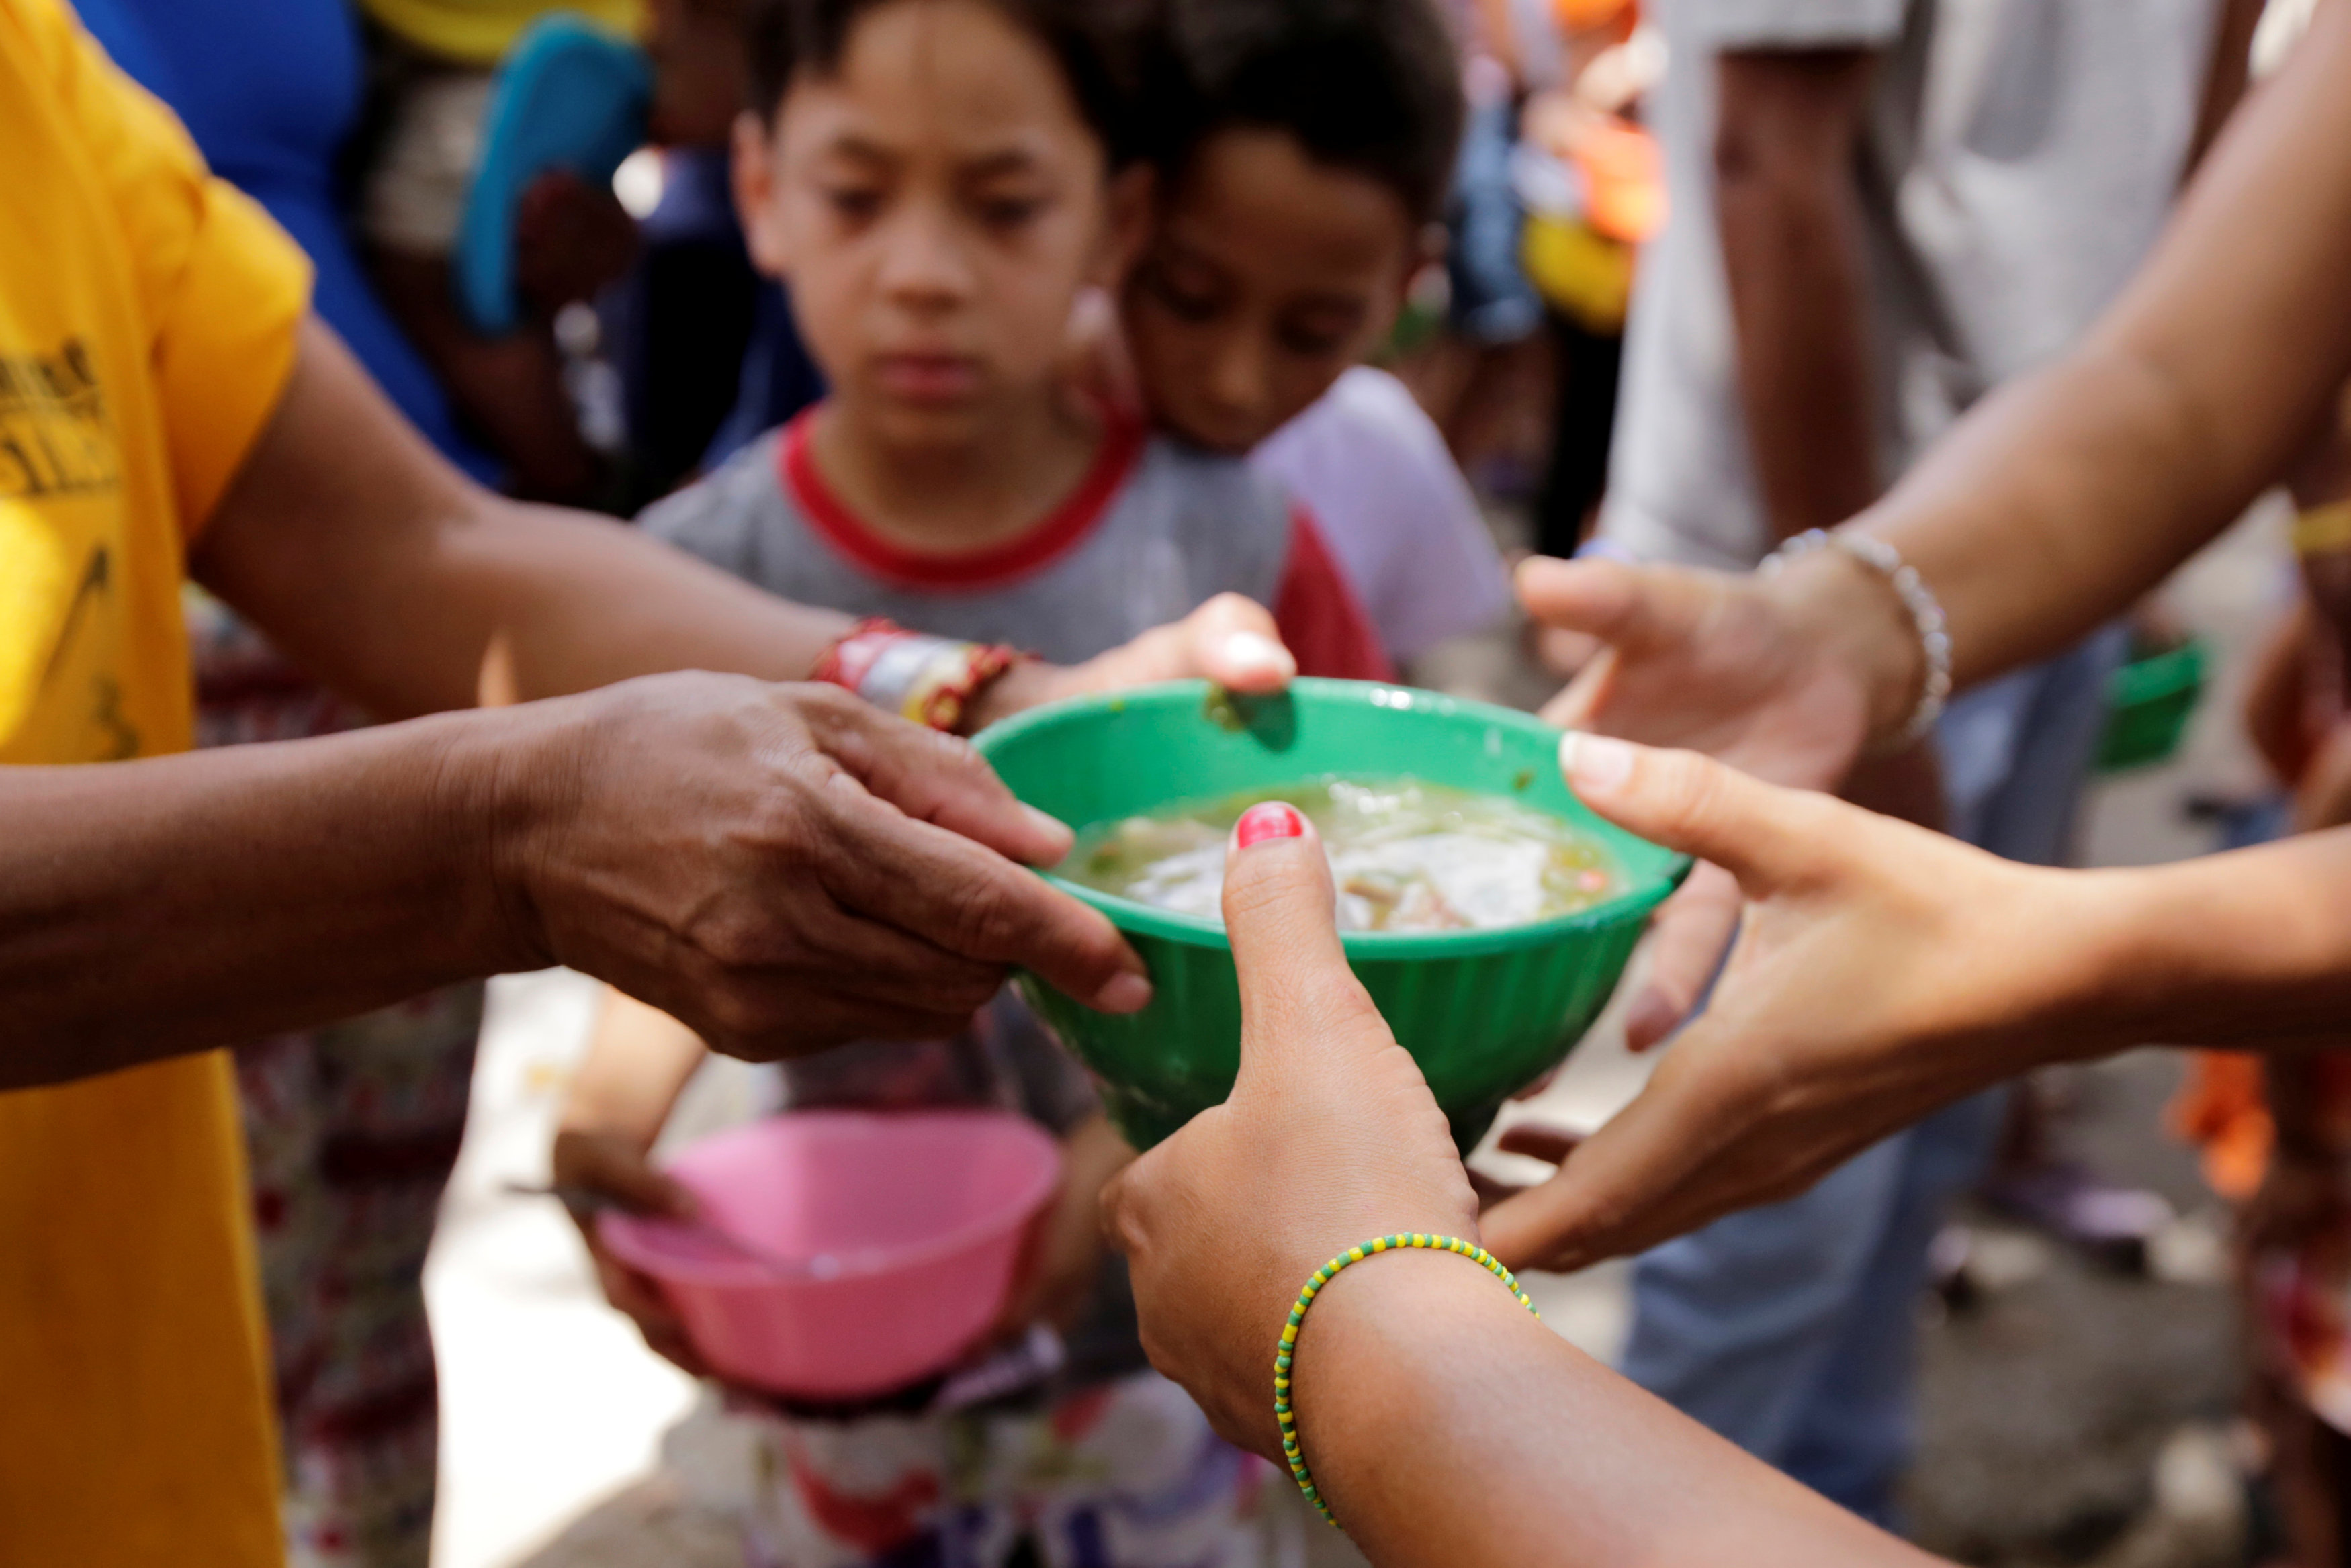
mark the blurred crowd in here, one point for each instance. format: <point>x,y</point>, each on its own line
<point>1342,307</point>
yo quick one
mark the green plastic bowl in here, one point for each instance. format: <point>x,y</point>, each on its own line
<point>2148,703</point>
<point>1485,1011</point>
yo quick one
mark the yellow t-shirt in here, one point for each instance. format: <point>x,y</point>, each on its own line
<point>147,322</point>
<point>480,32</point>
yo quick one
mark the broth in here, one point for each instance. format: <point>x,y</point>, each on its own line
<point>1406,855</point>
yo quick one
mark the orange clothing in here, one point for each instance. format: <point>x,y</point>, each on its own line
<point>147,322</point>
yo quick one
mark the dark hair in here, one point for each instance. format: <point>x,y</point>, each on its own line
<point>1095,43</point>
<point>1369,86</point>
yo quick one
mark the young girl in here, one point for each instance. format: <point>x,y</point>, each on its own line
<point>937,180</point>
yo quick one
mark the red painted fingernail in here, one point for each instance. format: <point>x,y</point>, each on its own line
<point>1269,819</point>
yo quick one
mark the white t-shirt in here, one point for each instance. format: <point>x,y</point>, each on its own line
<point>2021,157</point>
<point>1373,470</point>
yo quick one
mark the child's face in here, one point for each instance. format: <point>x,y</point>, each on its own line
<point>1267,275</point>
<point>935,205</point>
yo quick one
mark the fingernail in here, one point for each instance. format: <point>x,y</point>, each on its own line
<point>1125,994</point>
<point>1255,651</point>
<point>1269,819</point>
<point>1593,764</point>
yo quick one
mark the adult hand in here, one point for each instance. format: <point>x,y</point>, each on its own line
<point>1782,676</point>
<point>1230,641</point>
<point>782,868</point>
<point>611,1166</point>
<point>1330,1136</point>
<point>1883,971</point>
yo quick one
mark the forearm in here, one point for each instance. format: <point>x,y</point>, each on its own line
<point>259,886</point>
<point>2069,494</point>
<point>1792,254</point>
<point>378,567</point>
<point>637,1064</point>
<point>2247,949</point>
<point>1524,1450</point>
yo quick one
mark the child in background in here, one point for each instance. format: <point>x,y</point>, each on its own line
<point>1304,149</point>
<point>935,181</point>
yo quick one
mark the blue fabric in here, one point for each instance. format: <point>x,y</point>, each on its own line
<point>568,96</point>
<point>1492,301</point>
<point>1790,1329</point>
<point>270,89</point>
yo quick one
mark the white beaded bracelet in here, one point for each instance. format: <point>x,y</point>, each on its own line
<point>1926,618</point>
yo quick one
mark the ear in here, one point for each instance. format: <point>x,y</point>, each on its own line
<point>1126,226</point>
<point>757,178</point>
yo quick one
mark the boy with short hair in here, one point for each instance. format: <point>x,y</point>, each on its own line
<point>1303,150</point>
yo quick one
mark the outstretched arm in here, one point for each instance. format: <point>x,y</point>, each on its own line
<point>1443,1425</point>
<point>385,572</point>
<point>782,866</point>
<point>2053,504</point>
<point>1885,971</point>
<point>2075,491</point>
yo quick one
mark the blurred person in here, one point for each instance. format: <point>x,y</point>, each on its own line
<point>936,181</point>
<point>1879,214</point>
<point>168,407</point>
<point>433,65</point>
<point>1301,151</point>
<point>1594,186</point>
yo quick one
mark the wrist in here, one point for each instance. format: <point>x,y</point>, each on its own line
<point>1408,1314</point>
<point>506,781</point>
<point>1021,686</point>
<point>1850,612</point>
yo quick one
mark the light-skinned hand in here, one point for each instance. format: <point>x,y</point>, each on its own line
<point>1331,1137</point>
<point>1765,673</point>
<point>1883,970</point>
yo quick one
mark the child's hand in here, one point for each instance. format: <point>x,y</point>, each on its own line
<point>1230,641</point>
<point>613,1166</point>
<point>1065,1245</point>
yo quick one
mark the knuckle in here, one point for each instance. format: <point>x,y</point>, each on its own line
<point>985,921</point>
<point>1688,788</point>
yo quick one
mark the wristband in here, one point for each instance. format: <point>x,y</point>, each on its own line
<point>929,680</point>
<point>1918,601</point>
<point>1322,1276</point>
<point>2323,530</point>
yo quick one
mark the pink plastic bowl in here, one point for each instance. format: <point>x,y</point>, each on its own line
<point>903,1231</point>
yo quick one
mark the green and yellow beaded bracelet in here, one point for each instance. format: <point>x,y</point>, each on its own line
<point>1322,1276</point>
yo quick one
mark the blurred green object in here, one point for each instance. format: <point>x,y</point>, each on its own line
<point>1484,1012</point>
<point>2148,703</point>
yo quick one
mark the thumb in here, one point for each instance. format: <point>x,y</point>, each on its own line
<point>1765,836</point>
<point>1640,608</point>
<point>1281,914</point>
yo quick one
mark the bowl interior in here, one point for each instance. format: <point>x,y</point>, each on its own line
<point>1095,759</point>
<point>853,1193</point>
